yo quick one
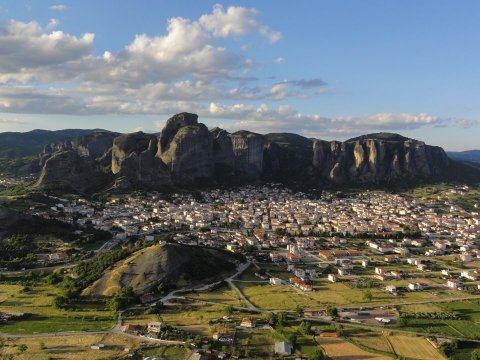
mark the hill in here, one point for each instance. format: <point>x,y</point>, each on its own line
<point>469,155</point>
<point>172,265</point>
<point>31,143</point>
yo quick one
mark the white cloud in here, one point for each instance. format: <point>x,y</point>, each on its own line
<point>58,7</point>
<point>279,60</point>
<point>25,47</point>
<point>236,21</point>
<point>52,24</point>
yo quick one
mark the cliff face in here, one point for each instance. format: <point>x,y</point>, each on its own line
<point>187,153</point>
<point>186,147</point>
<point>372,160</point>
<point>66,169</point>
<point>248,153</point>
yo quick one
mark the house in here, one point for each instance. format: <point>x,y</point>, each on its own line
<point>422,267</point>
<point>416,286</point>
<point>379,270</point>
<point>222,338</point>
<point>396,274</point>
<point>283,348</point>
<point>454,284</point>
<point>306,287</point>
<point>391,288</point>
<point>154,327</point>
<point>467,274</point>
<point>364,263</point>
<point>247,323</point>
<point>466,257</point>
<point>342,271</point>
<point>445,272</point>
<point>276,281</point>
<point>332,278</point>
<point>415,262</point>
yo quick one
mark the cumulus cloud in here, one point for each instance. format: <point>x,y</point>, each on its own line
<point>25,47</point>
<point>236,21</point>
<point>58,7</point>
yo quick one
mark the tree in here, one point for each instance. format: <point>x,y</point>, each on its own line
<point>319,354</point>
<point>306,328</point>
<point>367,296</point>
<point>332,311</point>
<point>228,310</point>
<point>475,354</point>
<point>22,348</point>
<point>401,321</point>
<point>292,339</point>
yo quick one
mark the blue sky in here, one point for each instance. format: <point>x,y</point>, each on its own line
<point>325,69</point>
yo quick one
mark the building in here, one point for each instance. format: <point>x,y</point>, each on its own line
<point>332,278</point>
<point>154,327</point>
<point>276,281</point>
<point>454,284</point>
<point>283,348</point>
<point>416,286</point>
<point>247,323</point>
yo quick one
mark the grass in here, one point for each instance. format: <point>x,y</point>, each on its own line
<point>168,352</point>
<point>370,339</point>
<point>72,347</point>
<point>273,297</point>
<point>38,301</point>
<point>468,327</point>
<point>340,349</point>
<point>256,341</point>
<point>414,347</point>
<point>224,296</point>
<point>193,318</point>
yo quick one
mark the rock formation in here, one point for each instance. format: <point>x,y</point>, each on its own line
<point>187,154</point>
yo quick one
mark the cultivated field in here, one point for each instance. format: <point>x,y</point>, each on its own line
<point>339,349</point>
<point>414,347</point>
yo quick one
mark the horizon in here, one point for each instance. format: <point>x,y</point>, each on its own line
<point>330,71</point>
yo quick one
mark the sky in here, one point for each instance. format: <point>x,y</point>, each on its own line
<point>325,69</point>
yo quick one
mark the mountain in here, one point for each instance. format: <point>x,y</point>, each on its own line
<point>469,155</point>
<point>22,144</point>
<point>188,154</point>
<point>172,265</point>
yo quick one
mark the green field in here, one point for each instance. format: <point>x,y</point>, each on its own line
<point>467,327</point>
<point>37,301</point>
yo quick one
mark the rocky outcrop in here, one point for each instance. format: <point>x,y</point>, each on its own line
<point>66,169</point>
<point>135,163</point>
<point>186,147</point>
<point>248,153</point>
<point>377,160</point>
<point>127,144</point>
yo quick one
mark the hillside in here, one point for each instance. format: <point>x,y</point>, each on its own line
<point>172,265</point>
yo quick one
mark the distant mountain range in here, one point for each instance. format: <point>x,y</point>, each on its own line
<point>469,155</point>
<point>188,154</point>
<point>31,143</point>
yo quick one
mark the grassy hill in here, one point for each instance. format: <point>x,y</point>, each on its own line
<point>172,265</point>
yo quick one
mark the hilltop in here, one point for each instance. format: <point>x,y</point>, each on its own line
<point>171,265</point>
